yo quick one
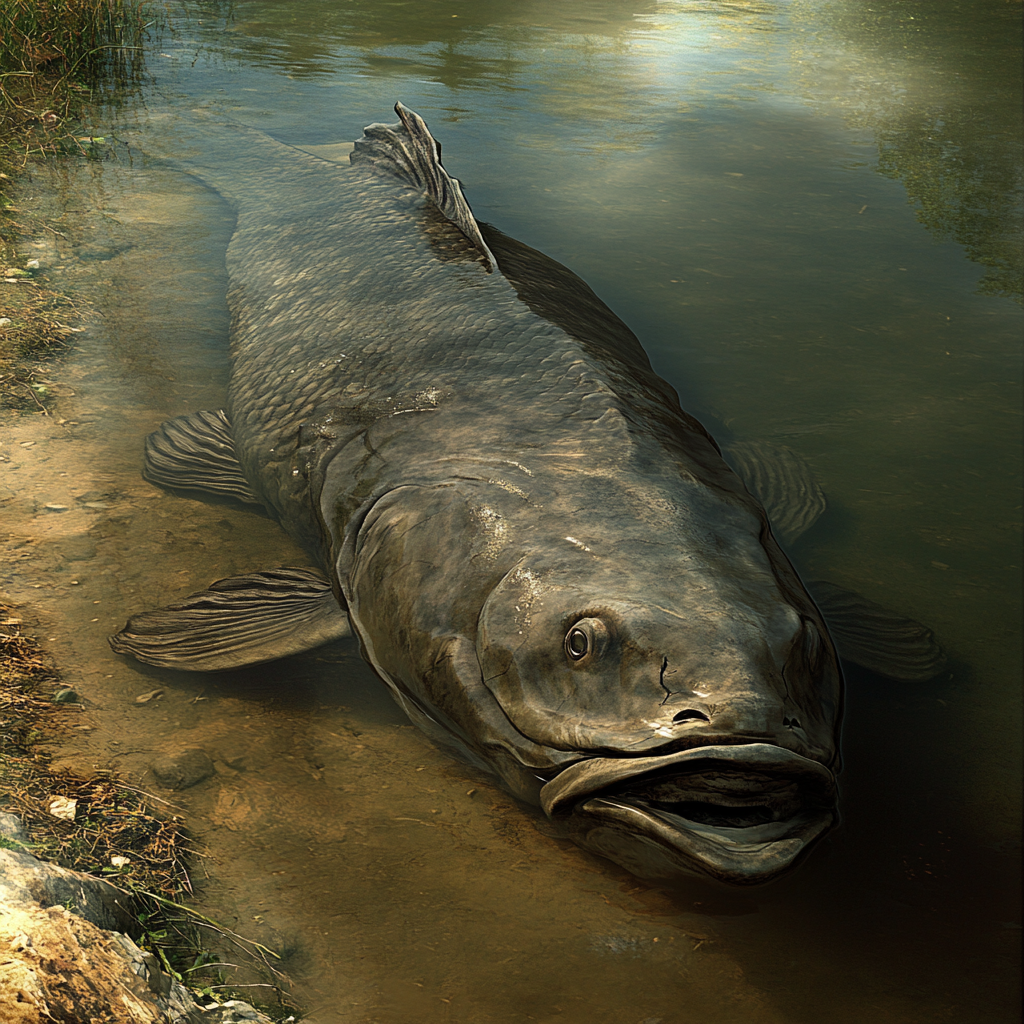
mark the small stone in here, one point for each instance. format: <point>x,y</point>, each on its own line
<point>52,506</point>
<point>119,862</point>
<point>32,265</point>
<point>63,807</point>
<point>5,320</point>
<point>183,769</point>
<point>65,696</point>
<point>145,698</point>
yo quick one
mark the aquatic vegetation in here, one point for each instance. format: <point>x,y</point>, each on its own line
<point>56,58</point>
<point>75,40</point>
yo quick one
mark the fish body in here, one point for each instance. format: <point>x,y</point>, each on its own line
<point>546,560</point>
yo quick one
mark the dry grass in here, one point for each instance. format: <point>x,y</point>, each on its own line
<point>112,820</point>
<point>56,58</point>
<point>36,325</point>
<point>116,832</point>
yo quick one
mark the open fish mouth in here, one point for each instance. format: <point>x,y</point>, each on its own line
<point>741,814</point>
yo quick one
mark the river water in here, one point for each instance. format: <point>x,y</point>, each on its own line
<point>809,214</point>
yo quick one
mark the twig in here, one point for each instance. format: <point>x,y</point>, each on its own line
<point>211,922</point>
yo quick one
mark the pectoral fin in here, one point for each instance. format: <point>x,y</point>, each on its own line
<point>196,453</point>
<point>783,482</point>
<point>875,637</point>
<point>241,620</point>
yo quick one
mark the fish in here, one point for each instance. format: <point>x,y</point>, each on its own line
<point>545,559</point>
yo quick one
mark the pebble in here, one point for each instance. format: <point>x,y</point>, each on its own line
<point>5,320</point>
<point>65,696</point>
<point>63,807</point>
<point>54,507</point>
<point>183,769</point>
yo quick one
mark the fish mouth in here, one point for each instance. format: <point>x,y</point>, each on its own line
<point>740,814</point>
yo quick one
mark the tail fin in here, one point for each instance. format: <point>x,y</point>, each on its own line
<point>410,153</point>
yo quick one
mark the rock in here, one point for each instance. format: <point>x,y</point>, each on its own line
<point>23,879</point>
<point>94,495</point>
<point>65,696</point>
<point>63,807</point>
<point>12,829</point>
<point>183,769</point>
<point>64,965</point>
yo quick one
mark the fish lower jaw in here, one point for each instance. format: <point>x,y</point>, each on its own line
<point>657,842</point>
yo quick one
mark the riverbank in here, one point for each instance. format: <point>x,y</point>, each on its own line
<point>59,78</point>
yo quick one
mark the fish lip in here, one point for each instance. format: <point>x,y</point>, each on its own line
<point>605,797</point>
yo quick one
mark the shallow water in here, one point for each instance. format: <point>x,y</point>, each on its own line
<point>805,211</point>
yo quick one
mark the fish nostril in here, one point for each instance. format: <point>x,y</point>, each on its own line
<point>690,715</point>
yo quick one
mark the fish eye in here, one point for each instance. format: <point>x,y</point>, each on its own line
<point>585,639</point>
<point>577,643</point>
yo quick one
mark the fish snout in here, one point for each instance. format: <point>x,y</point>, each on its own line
<point>748,715</point>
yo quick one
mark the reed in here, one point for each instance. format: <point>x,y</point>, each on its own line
<point>80,41</point>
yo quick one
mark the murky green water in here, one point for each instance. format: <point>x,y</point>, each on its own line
<point>809,213</point>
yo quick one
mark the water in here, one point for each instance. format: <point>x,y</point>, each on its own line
<point>807,212</point>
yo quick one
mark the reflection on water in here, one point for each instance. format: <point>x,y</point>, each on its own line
<point>712,170</point>
<point>944,109</point>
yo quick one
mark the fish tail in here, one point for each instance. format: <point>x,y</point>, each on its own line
<point>409,152</point>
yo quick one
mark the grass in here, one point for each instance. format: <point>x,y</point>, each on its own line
<point>56,58</point>
<point>117,831</point>
<point>71,41</point>
<point>59,61</point>
<point>35,328</point>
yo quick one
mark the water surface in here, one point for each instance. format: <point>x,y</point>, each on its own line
<point>809,213</point>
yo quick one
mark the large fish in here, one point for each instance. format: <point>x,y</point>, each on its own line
<point>546,560</point>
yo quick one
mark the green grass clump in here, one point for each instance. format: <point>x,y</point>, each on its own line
<point>72,40</point>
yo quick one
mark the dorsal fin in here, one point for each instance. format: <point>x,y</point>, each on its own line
<point>408,151</point>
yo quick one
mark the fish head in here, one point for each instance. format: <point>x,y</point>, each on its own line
<point>703,705</point>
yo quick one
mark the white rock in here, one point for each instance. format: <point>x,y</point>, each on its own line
<point>63,807</point>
